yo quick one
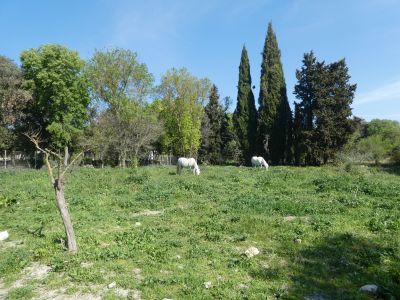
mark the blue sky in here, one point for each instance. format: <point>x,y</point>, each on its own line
<point>206,37</point>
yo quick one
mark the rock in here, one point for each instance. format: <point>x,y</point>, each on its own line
<point>315,296</point>
<point>178,256</point>
<point>297,241</point>
<point>112,285</point>
<point>369,288</point>
<point>148,213</point>
<point>137,224</point>
<point>4,235</point>
<point>86,265</point>
<point>207,284</point>
<point>252,251</point>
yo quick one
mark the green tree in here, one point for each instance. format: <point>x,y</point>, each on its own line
<point>141,128</point>
<point>58,111</point>
<point>245,114</point>
<point>211,129</point>
<point>274,113</point>
<point>334,126</point>
<point>183,96</point>
<point>53,74</point>
<point>322,117</point>
<point>230,146</point>
<point>117,79</point>
<point>382,140</point>
<point>13,101</point>
<point>13,95</point>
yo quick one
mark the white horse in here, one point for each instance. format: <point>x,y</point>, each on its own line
<point>258,161</point>
<point>190,163</point>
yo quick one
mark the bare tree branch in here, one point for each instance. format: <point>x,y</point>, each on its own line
<point>49,168</point>
<point>72,162</point>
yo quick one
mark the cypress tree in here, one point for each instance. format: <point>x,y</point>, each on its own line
<point>305,91</point>
<point>211,129</point>
<point>275,116</point>
<point>245,114</point>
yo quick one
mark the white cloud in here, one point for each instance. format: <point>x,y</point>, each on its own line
<point>387,92</point>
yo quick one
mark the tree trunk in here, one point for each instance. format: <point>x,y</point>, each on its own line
<point>66,156</point>
<point>62,207</point>
<point>123,161</point>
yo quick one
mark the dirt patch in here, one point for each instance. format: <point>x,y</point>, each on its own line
<point>289,218</point>
<point>148,213</point>
<point>11,244</point>
<point>3,290</point>
<point>137,273</point>
<point>56,295</point>
<point>35,271</point>
<point>292,218</point>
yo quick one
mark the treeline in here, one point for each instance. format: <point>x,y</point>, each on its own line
<point>110,106</point>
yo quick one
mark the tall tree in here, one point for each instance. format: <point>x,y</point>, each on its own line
<point>183,96</point>
<point>58,111</point>
<point>308,78</point>
<point>245,114</point>
<point>274,113</point>
<point>211,129</point>
<point>53,74</point>
<point>13,95</point>
<point>117,78</point>
<point>13,100</point>
<point>323,113</point>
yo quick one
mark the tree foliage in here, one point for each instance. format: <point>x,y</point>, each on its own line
<point>116,75</point>
<point>13,96</point>
<point>211,146</point>
<point>53,74</point>
<point>274,114</point>
<point>382,140</point>
<point>129,133</point>
<point>182,98</point>
<point>117,79</point>
<point>245,114</point>
<point>322,117</point>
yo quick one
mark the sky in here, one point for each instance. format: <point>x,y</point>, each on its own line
<point>207,37</point>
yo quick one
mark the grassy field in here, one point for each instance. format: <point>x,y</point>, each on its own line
<point>322,233</point>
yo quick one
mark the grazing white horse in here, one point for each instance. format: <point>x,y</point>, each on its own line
<point>258,161</point>
<point>190,163</point>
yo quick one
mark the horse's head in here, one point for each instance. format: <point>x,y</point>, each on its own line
<point>197,171</point>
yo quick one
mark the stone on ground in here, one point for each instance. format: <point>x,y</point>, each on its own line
<point>370,288</point>
<point>252,251</point>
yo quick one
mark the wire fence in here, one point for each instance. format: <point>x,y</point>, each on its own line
<point>20,159</point>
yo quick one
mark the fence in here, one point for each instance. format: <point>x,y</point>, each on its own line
<point>17,159</point>
<point>164,159</point>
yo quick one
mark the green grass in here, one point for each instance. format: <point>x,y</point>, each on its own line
<point>346,234</point>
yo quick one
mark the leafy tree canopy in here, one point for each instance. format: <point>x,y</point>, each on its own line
<point>53,74</point>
